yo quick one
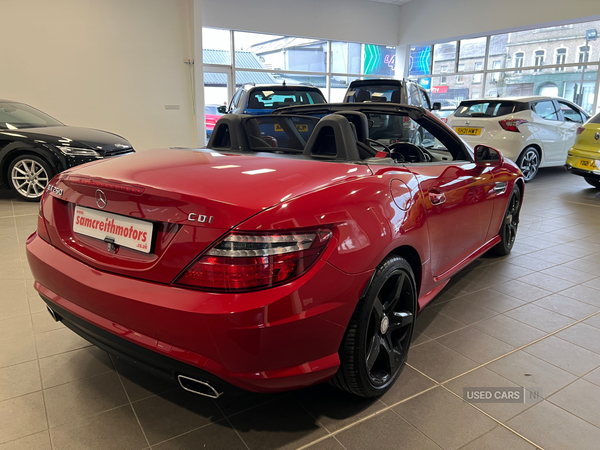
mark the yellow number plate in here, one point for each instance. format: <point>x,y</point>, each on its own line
<point>468,130</point>
<point>587,164</point>
<point>302,128</point>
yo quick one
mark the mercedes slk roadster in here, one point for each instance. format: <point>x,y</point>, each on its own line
<point>297,248</point>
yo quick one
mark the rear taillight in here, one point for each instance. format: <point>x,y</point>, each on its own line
<point>42,230</point>
<point>580,130</point>
<point>512,124</point>
<point>252,261</point>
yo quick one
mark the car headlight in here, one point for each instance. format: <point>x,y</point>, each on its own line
<point>74,151</point>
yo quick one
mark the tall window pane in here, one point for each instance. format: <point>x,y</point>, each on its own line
<point>216,46</point>
<point>420,60</point>
<point>472,53</point>
<point>444,55</point>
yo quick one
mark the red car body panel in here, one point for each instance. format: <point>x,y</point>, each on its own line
<point>283,337</point>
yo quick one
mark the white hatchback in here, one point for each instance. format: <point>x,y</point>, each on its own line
<point>532,131</point>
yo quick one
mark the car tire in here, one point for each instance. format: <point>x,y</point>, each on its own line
<point>376,343</point>
<point>28,175</point>
<point>510,223</point>
<point>529,163</point>
<point>595,183</point>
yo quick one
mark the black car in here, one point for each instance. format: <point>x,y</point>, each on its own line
<point>34,147</point>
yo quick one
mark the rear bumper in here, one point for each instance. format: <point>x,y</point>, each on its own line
<point>277,339</point>
<point>583,173</point>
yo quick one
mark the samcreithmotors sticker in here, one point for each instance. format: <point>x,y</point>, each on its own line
<point>119,230</point>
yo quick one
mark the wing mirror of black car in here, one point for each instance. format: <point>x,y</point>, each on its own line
<point>488,156</point>
<point>436,106</point>
<point>222,109</point>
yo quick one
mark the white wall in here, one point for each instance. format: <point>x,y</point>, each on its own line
<point>343,20</point>
<point>428,21</point>
<point>106,64</point>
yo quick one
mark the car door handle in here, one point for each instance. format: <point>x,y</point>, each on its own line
<point>437,197</point>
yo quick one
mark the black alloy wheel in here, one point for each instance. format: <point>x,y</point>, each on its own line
<point>595,183</point>
<point>529,163</point>
<point>378,336</point>
<point>510,224</point>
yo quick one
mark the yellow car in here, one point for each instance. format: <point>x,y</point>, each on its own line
<point>584,157</point>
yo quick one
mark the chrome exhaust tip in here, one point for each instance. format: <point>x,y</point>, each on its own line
<point>55,316</point>
<point>198,387</point>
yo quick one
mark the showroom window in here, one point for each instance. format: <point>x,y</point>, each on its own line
<point>234,58</point>
<point>523,63</point>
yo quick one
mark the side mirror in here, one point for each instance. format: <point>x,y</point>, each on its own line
<point>436,106</point>
<point>222,109</point>
<point>488,156</point>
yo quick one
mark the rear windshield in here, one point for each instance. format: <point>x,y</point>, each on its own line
<point>274,98</point>
<point>595,119</point>
<point>487,108</point>
<point>374,93</point>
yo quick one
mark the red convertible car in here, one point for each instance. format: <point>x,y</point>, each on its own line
<point>273,262</point>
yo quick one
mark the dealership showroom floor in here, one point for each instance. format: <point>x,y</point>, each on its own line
<point>530,319</point>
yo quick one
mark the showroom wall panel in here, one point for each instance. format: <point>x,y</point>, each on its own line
<point>342,20</point>
<point>427,21</point>
<point>109,64</point>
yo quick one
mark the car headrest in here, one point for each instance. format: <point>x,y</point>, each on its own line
<point>333,138</point>
<point>395,96</point>
<point>360,122</point>
<point>362,95</point>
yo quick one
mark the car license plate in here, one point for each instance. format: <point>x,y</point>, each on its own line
<point>468,130</point>
<point>587,164</point>
<point>301,127</point>
<point>126,231</point>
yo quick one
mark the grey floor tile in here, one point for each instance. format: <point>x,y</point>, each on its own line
<point>438,361</point>
<point>15,328</point>
<point>584,266</point>
<point>22,416</point>
<point>531,372</point>
<point>531,263</point>
<point>328,444</point>
<point>509,270</point>
<point>546,282</point>
<point>464,311</point>
<point>521,291</point>
<point>385,431</point>
<point>334,408</point>
<point>444,418</point>
<point>566,306</point>
<point>36,304</point>
<point>74,365</point>
<point>493,300</point>
<point>83,398</point>
<point>583,335</point>
<point>582,399</point>
<point>499,439</point>
<point>509,330</point>
<point>593,377</point>
<point>565,273</point>
<point>138,383</point>
<point>540,318</point>
<point>484,378</point>
<point>113,430</point>
<point>434,324</point>
<point>43,321</point>
<point>17,351</point>
<point>281,424</point>
<point>173,413</point>
<point>216,436</point>
<point>475,345</point>
<point>555,429</point>
<point>583,294</point>
<point>58,341</point>
<point>37,441</point>
<point>19,379</point>
<point>410,383</point>
<point>565,355</point>
<point>595,283</point>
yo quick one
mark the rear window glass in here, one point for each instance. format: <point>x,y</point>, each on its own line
<point>595,119</point>
<point>377,93</point>
<point>273,98</point>
<point>486,109</point>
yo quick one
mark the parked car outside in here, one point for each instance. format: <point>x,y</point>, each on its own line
<point>264,99</point>
<point>34,147</point>
<point>583,158</point>
<point>383,90</point>
<point>533,131</point>
<point>273,268</point>
<point>444,112</point>
<point>211,116</point>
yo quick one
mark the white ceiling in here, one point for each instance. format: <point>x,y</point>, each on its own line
<point>393,2</point>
